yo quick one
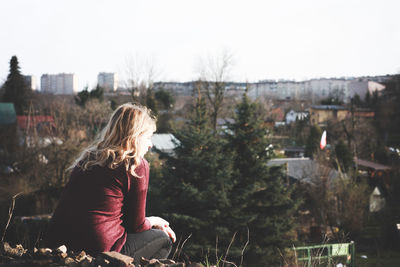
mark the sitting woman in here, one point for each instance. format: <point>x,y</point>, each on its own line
<point>103,205</point>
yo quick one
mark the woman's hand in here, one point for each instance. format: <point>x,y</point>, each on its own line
<point>170,233</point>
<point>160,223</point>
<point>157,222</point>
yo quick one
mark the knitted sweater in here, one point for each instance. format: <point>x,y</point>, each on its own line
<point>99,207</point>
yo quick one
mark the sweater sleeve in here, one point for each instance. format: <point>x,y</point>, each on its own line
<point>137,194</point>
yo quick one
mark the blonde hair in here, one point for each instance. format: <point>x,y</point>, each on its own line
<point>118,142</point>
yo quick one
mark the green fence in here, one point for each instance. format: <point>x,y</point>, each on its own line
<point>327,254</point>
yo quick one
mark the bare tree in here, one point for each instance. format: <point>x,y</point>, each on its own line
<point>213,76</point>
<point>336,199</point>
<point>139,77</point>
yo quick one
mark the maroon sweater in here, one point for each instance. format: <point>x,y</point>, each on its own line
<point>98,207</point>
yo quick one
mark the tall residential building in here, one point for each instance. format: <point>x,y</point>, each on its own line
<point>30,81</point>
<point>58,84</point>
<point>108,81</point>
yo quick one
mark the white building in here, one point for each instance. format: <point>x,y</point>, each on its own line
<point>58,84</point>
<point>108,81</point>
<point>314,89</point>
<point>292,116</point>
<point>30,81</point>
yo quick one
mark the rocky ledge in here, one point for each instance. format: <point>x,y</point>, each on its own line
<point>18,256</point>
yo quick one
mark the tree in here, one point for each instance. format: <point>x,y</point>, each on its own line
<point>313,141</point>
<point>164,99</point>
<point>151,101</point>
<point>97,93</point>
<point>344,156</point>
<point>213,78</point>
<point>336,200</point>
<point>260,199</point>
<point>84,96</point>
<point>196,184</point>
<point>15,88</point>
<point>140,74</point>
<point>388,113</point>
<point>165,103</point>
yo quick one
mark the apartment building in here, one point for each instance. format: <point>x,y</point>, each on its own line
<point>108,81</point>
<point>315,89</point>
<point>58,84</point>
<point>30,81</point>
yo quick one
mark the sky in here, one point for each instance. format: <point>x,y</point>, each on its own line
<point>176,39</point>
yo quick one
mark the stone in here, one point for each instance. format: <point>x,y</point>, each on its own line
<point>63,255</point>
<point>61,249</point>
<point>89,258</point>
<point>44,251</point>
<point>160,263</point>
<point>81,256</point>
<point>67,261</point>
<point>167,261</point>
<point>155,263</point>
<point>18,251</point>
<point>118,259</point>
<point>85,263</point>
<point>100,261</point>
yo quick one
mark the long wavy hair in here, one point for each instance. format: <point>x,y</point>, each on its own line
<point>118,142</point>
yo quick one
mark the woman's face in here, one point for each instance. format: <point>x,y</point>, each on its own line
<point>145,143</point>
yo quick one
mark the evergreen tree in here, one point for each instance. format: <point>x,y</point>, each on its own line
<point>15,88</point>
<point>313,141</point>
<point>388,112</point>
<point>98,93</point>
<point>84,96</point>
<point>151,101</point>
<point>165,102</point>
<point>344,156</point>
<point>260,199</point>
<point>197,185</point>
<point>164,99</point>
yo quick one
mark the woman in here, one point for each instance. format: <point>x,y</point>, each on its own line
<point>103,205</point>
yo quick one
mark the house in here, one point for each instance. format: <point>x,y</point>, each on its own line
<point>376,200</point>
<point>363,113</point>
<point>8,133</point>
<point>164,142</point>
<point>374,169</point>
<point>7,114</point>
<point>292,116</point>
<point>304,169</point>
<point>277,114</point>
<point>378,176</point>
<point>322,113</point>
<point>294,151</point>
<point>41,124</point>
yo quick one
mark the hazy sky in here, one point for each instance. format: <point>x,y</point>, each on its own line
<point>269,39</point>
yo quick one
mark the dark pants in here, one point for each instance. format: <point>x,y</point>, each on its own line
<point>151,244</point>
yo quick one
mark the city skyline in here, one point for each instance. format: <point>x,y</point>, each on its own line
<point>294,40</point>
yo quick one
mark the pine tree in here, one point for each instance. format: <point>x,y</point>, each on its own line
<point>197,184</point>
<point>344,156</point>
<point>98,93</point>
<point>15,88</point>
<point>151,101</point>
<point>84,96</point>
<point>313,140</point>
<point>260,199</point>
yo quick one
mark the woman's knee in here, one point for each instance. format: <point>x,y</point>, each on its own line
<point>163,236</point>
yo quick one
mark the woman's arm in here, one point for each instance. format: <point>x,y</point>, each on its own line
<point>136,200</point>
